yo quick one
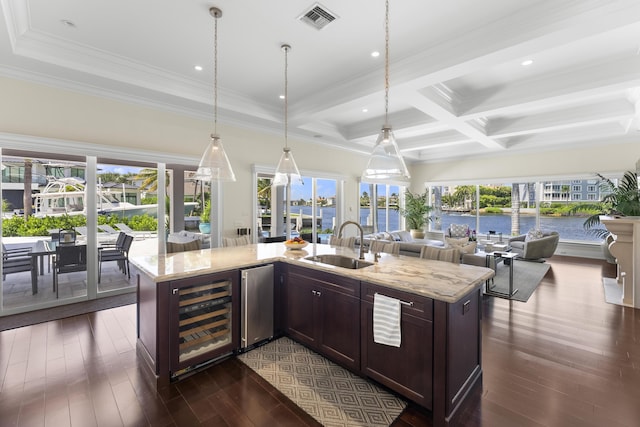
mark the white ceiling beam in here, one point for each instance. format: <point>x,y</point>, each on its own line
<point>602,112</point>
<point>543,26</point>
<point>431,102</point>
<point>443,139</point>
<point>558,89</point>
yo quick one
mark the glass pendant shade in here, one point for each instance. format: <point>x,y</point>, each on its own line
<point>287,171</point>
<point>214,164</point>
<point>385,163</point>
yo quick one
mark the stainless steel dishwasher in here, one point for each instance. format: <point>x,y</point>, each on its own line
<point>256,306</point>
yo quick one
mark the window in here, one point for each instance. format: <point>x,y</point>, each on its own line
<point>314,207</point>
<point>511,208</point>
<point>379,205</point>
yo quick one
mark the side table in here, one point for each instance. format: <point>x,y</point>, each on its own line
<point>507,258</point>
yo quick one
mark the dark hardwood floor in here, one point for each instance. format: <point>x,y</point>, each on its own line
<point>564,358</point>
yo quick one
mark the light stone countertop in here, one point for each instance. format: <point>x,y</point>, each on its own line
<point>439,280</point>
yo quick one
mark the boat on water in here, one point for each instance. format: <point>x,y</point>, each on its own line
<point>67,196</point>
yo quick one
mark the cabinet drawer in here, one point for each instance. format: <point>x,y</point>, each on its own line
<point>331,281</point>
<point>420,306</point>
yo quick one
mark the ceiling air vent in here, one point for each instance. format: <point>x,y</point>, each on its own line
<point>318,16</point>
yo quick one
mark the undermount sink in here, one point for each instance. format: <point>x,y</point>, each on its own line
<point>340,261</point>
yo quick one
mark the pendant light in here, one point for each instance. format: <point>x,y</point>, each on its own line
<point>214,164</point>
<point>287,171</point>
<point>386,163</point>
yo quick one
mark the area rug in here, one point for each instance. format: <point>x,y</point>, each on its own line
<point>612,291</point>
<point>330,394</point>
<point>526,278</point>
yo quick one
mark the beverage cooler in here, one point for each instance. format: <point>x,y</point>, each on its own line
<point>205,322</point>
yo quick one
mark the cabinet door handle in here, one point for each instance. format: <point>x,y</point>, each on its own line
<point>175,291</point>
<point>314,292</point>
<point>318,293</point>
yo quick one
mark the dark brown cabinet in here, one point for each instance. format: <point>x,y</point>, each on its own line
<point>407,369</point>
<point>322,312</point>
<point>184,324</point>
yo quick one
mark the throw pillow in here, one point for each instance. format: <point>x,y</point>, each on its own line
<point>405,236</point>
<point>469,248</point>
<point>387,236</point>
<point>458,230</point>
<point>533,235</point>
<point>395,236</point>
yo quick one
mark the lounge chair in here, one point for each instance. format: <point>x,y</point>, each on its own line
<point>136,234</point>
<point>103,237</point>
<point>108,229</point>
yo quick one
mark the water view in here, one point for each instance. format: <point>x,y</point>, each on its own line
<point>570,228</point>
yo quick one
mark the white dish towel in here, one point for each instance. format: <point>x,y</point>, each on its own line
<point>386,320</point>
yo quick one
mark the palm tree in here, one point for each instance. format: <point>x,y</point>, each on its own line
<point>264,192</point>
<point>28,179</point>
<point>515,209</point>
<point>150,179</point>
<point>464,195</point>
<point>565,190</point>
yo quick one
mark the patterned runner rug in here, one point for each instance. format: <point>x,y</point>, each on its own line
<point>329,393</point>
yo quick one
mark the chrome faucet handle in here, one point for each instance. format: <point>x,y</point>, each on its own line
<point>376,256</point>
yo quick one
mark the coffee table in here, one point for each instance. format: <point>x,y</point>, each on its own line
<point>507,258</point>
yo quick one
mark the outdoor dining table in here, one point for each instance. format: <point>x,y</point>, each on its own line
<point>42,249</point>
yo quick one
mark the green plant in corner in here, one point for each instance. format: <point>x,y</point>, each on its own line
<point>416,210</point>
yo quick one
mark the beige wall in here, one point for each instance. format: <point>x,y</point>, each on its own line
<point>529,166</point>
<point>96,126</point>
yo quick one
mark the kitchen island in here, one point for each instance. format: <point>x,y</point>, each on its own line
<point>327,308</point>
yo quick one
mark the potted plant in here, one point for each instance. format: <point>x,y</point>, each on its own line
<point>416,213</point>
<point>205,225</point>
<point>622,199</point>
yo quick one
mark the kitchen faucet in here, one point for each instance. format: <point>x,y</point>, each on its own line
<point>361,235</point>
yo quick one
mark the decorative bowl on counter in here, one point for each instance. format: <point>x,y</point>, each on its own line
<point>296,245</point>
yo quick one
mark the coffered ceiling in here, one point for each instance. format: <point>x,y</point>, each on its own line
<point>458,86</point>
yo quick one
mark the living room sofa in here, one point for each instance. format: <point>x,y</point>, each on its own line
<point>408,245</point>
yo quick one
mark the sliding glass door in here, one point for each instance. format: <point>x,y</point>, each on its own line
<point>314,207</point>
<point>44,230</point>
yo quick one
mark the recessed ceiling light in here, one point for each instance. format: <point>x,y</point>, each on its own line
<point>375,54</point>
<point>198,68</point>
<point>365,110</point>
<point>527,62</point>
<point>67,23</point>
<point>281,96</point>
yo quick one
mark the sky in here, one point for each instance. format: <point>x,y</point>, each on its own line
<point>122,170</point>
<point>325,188</point>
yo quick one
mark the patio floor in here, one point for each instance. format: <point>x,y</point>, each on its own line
<point>16,288</point>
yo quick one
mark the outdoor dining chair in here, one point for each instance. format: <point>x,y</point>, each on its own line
<point>119,253</point>
<point>15,260</point>
<point>68,259</point>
